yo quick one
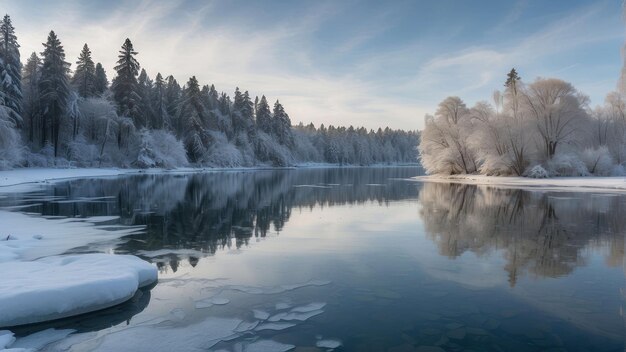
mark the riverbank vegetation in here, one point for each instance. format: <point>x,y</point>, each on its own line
<point>53,115</point>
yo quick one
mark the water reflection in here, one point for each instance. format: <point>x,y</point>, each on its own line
<point>545,234</point>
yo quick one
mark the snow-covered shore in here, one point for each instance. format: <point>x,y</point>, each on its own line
<point>19,180</point>
<point>578,184</point>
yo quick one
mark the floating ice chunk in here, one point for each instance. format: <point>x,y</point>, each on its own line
<point>261,315</point>
<point>41,339</point>
<point>209,302</point>
<point>274,326</point>
<point>220,301</point>
<point>247,326</point>
<point>268,346</point>
<point>58,287</point>
<point>309,307</point>
<point>200,336</point>
<point>281,306</point>
<point>328,343</point>
<point>295,316</point>
<point>6,338</point>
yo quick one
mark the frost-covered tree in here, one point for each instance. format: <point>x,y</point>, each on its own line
<point>10,71</point>
<point>282,125</point>
<point>161,116</point>
<point>264,116</point>
<point>192,115</point>
<point>445,144</point>
<point>101,82</point>
<point>124,86</point>
<point>54,89</point>
<point>32,112</point>
<point>557,110</point>
<point>84,79</point>
<point>146,105</point>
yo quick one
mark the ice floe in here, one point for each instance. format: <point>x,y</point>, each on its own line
<point>328,343</point>
<point>57,287</point>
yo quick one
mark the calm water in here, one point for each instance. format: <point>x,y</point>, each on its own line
<point>383,263</point>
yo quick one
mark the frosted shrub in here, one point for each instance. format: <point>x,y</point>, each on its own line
<point>598,161</point>
<point>566,165</point>
<point>160,148</point>
<point>222,153</point>
<point>11,149</point>
<point>536,171</point>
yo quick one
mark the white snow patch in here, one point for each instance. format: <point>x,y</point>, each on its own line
<point>578,184</point>
<point>26,237</point>
<point>58,287</point>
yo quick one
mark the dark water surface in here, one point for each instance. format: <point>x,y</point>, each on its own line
<point>366,257</point>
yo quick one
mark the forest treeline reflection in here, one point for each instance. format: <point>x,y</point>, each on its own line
<point>545,234</point>
<point>188,216</point>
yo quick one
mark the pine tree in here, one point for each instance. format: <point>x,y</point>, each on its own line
<point>10,71</point>
<point>282,125</point>
<point>192,114</point>
<point>124,86</point>
<point>85,75</point>
<point>512,79</point>
<point>243,113</point>
<point>101,83</point>
<point>54,89</point>
<point>144,87</point>
<point>264,117</point>
<point>31,98</point>
<point>161,117</point>
<point>172,101</point>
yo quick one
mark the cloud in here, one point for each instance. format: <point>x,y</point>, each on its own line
<point>345,80</point>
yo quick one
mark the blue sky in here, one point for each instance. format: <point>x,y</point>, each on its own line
<point>371,63</point>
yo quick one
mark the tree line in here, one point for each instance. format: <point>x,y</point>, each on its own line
<point>541,129</point>
<point>51,115</point>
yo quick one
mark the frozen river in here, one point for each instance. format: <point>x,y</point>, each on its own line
<point>354,259</point>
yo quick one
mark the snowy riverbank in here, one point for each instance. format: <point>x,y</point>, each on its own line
<point>578,184</point>
<point>18,180</point>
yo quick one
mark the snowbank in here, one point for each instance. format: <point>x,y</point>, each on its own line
<point>579,184</point>
<point>58,287</point>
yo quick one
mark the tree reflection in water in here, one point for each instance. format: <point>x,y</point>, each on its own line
<point>542,233</point>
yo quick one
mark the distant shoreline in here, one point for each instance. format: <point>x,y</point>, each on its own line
<point>575,184</point>
<point>18,180</point>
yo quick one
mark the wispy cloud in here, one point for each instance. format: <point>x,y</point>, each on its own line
<point>335,63</point>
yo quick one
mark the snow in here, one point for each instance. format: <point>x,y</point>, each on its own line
<point>26,237</point>
<point>579,184</point>
<point>62,286</point>
<point>41,339</point>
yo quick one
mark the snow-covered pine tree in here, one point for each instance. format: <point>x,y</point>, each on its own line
<point>264,116</point>
<point>192,114</point>
<point>84,79</point>
<point>282,125</point>
<point>10,71</point>
<point>172,102</point>
<point>31,108</point>
<point>124,86</point>
<point>101,83</point>
<point>161,117</point>
<point>54,89</point>
<point>146,110</point>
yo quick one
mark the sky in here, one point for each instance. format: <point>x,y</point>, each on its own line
<point>364,63</point>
